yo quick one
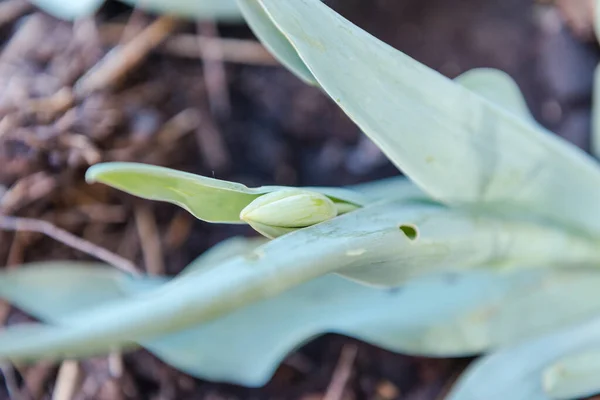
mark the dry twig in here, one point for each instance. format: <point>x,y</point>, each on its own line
<point>10,10</point>
<point>68,381</point>
<point>149,239</point>
<point>342,373</point>
<point>122,59</point>
<point>35,378</point>
<point>10,380</point>
<point>232,50</point>
<point>215,78</point>
<point>34,225</point>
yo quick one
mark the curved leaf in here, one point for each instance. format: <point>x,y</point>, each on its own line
<point>521,372</point>
<point>498,87</point>
<point>208,199</point>
<point>456,145</point>
<point>480,310</point>
<point>273,40</point>
<point>368,239</point>
<point>52,290</point>
<point>595,132</point>
<point>246,346</point>
<point>69,10</point>
<point>397,187</point>
<point>575,376</point>
<point>222,10</point>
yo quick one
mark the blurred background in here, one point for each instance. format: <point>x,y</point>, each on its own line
<point>208,99</point>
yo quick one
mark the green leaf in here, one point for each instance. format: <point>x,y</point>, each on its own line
<point>595,133</point>
<point>69,10</point>
<point>397,187</point>
<point>481,309</point>
<point>52,290</point>
<point>456,145</point>
<point>517,372</point>
<point>368,239</point>
<point>498,87</point>
<point>597,20</point>
<point>246,346</point>
<point>208,199</point>
<point>273,40</point>
<point>575,376</point>
<point>221,10</point>
<point>219,253</point>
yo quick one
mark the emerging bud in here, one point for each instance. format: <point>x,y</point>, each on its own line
<point>289,208</point>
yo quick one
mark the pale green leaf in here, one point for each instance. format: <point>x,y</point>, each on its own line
<point>595,133</point>
<point>481,309</point>
<point>273,40</point>
<point>597,20</point>
<point>574,376</point>
<point>52,290</point>
<point>498,87</point>
<point>517,373</point>
<point>219,253</point>
<point>397,187</point>
<point>221,10</point>
<point>207,199</point>
<point>368,239</point>
<point>69,9</point>
<point>455,144</point>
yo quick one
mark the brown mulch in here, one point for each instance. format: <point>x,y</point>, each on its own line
<point>126,86</point>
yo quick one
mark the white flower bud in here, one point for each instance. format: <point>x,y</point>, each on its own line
<point>289,208</point>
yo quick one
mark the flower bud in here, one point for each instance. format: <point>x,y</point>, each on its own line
<point>289,208</point>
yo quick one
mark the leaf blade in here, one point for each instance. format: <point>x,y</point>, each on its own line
<point>456,145</point>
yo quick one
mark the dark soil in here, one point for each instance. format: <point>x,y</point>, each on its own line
<point>277,131</point>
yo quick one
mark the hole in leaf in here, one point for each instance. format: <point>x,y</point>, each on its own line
<point>410,231</point>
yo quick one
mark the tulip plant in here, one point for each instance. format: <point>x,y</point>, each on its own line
<point>493,239</point>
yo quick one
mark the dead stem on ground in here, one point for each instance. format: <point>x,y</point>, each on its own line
<point>342,373</point>
<point>33,225</point>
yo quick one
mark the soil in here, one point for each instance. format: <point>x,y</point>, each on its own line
<point>259,126</point>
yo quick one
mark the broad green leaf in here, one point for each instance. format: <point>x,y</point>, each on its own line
<point>481,310</point>
<point>397,187</point>
<point>597,20</point>
<point>273,40</point>
<point>455,144</point>
<point>208,199</point>
<point>69,9</point>
<point>55,289</point>
<point>219,253</point>
<point>221,10</point>
<point>517,372</point>
<point>575,376</point>
<point>368,239</point>
<point>595,134</point>
<point>493,84</point>
<point>498,87</point>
